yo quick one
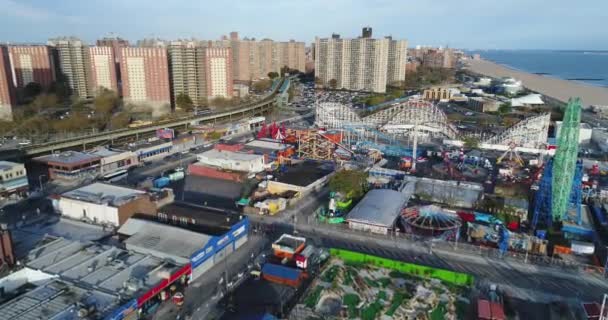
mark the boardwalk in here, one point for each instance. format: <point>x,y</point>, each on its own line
<point>551,87</point>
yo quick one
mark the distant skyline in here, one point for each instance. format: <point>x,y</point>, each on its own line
<point>469,24</point>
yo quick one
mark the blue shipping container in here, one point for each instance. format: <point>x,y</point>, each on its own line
<point>281,271</point>
<point>161,182</point>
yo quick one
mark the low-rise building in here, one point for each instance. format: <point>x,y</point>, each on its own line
<point>70,165</point>
<point>530,100</point>
<point>87,280</point>
<point>115,160</point>
<point>151,150</point>
<point>483,104</point>
<point>184,245</point>
<point>13,178</point>
<point>240,90</point>
<point>235,161</point>
<point>585,132</point>
<point>378,210</point>
<point>301,178</point>
<point>106,204</point>
<point>439,93</point>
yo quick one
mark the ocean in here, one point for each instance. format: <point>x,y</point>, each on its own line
<point>590,67</point>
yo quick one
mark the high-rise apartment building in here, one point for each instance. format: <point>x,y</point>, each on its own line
<point>31,63</point>
<point>72,56</point>
<point>102,69</point>
<point>255,59</point>
<point>186,65</point>
<point>145,77</point>
<point>116,44</point>
<point>200,70</point>
<point>397,60</point>
<point>218,72</point>
<point>364,64</point>
<point>7,89</point>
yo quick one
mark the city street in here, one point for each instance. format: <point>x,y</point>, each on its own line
<point>518,279</point>
<point>202,295</point>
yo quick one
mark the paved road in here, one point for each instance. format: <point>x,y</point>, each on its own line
<point>519,279</point>
<point>202,295</point>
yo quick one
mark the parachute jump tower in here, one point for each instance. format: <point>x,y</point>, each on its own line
<point>560,186</point>
<point>564,163</point>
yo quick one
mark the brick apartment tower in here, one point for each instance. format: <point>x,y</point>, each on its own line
<point>218,72</point>
<point>102,69</point>
<point>117,44</point>
<point>145,77</point>
<point>31,63</point>
<point>7,89</point>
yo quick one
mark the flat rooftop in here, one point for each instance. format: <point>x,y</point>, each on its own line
<point>227,155</point>
<point>68,157</point>
<point>58,300</point>
<point>162,240</point>
<point>379,207</point>
<point>211,192</point>
<point>304,173</point>
<point>111,270</point>
<point>101,192</point>
<point>6,165</point>
<point>265,145</point>
<point>207,220</point>
<point>105,152</point>
<point>145,144</point>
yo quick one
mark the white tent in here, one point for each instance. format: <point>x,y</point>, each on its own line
<point>533,99</point>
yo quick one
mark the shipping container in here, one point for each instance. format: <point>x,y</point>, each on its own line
<point>283,275</point>
<point>161,182</point>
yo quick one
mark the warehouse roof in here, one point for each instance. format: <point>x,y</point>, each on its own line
<point>57,300</point>
<point>228,155</point>
<point>111,271</point>
<point>162,240</point>
<point>304,173</point>
<point>268,145</point>
<point>104,193</point>
<point>379,207</point>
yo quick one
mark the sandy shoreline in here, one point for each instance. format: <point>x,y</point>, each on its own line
<point>556,88</point>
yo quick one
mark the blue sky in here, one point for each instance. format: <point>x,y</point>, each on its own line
<point>487,24</point>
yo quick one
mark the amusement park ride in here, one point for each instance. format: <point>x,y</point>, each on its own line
<point>559,195</point>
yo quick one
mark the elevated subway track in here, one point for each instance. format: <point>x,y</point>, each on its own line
<point>257,108</point>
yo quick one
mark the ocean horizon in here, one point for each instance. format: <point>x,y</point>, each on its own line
<point>586,66</point>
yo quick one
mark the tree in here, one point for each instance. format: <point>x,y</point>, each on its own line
<point>273,75</point>
<point>471,142</point>
<point>31,90</point>
<point>44,101</point>
<point>60,89</point>
<point>220,102</point>
<point>184,102</point>
<point>105,102</point>
<point>505,108</point>
<point>351,183</point>
<point>261,85</point>
<point>333,83</point>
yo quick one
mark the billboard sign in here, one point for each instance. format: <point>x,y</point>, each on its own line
<point>165,133</point>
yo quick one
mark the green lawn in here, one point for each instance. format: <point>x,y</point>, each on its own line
<point>313,297</point>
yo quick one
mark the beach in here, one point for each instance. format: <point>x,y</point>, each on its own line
<point>555,88</point>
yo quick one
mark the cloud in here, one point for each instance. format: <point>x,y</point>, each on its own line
<point>14,9</point>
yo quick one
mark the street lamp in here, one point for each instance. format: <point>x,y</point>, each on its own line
<point>40,181</point>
